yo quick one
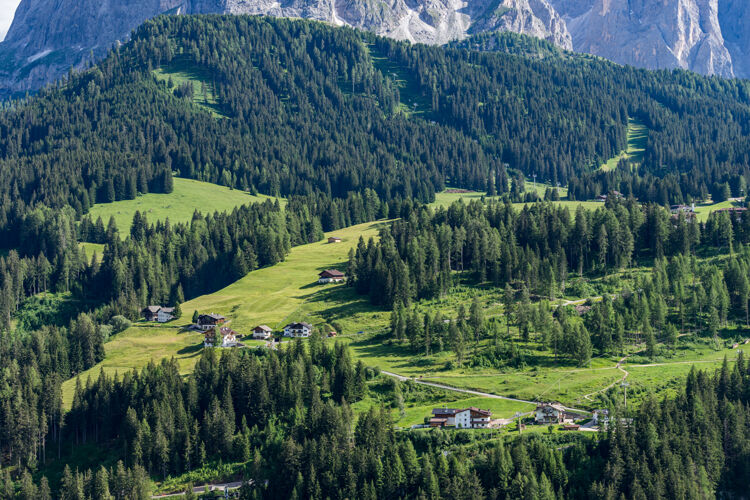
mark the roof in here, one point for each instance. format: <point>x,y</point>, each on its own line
<point>477,410</point>
<point>225,330</point>
<point>153,309</point>
<point>446,411</point>
<point>296,326</point>
<point>213,316</point>
<point>168,310</point>
<point>435,420</point>
<point>555,406</point>
<point>334,238</point>
<point>333,273</point>
<point>264,328</point>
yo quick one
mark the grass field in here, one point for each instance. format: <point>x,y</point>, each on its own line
<point>181,71</point>
<point>273,295</point>
<point>445,199</point>
<point>289,292</point>
<point>703,210</point>
<point>91,248</point>
<point>412,100</point>
<point>637,139</point>
<point>187,197</point>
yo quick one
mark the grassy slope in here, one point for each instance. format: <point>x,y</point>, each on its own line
<point>288,291</point>
<point>92,248</point>
<point>188,196</point>
<point>637,138</point>
<point>445,198</point>
<point>181,71</point>
<point>270,295</point>
<point>703,210</point>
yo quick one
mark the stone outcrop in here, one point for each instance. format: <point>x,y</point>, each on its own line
<point>48,37</point>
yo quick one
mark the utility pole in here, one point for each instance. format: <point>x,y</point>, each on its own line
<point>518,421</point>
<point>625,386</point>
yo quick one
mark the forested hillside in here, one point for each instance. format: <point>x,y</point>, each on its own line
<point>313,109</point>
<point>349,128</point>
<point>287,416</point>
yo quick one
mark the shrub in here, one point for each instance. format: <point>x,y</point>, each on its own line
<point>119,324</point>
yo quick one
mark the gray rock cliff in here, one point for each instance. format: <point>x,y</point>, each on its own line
<point>48,37</point>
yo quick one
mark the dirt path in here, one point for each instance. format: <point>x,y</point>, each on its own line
<point>624,376</point>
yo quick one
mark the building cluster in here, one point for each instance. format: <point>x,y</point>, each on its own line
<point>217,334</point>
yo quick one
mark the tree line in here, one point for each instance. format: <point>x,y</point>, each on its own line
<point>286,415</point>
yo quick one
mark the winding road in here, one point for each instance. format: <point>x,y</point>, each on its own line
<point>205,488</point>
<point>467,391</point>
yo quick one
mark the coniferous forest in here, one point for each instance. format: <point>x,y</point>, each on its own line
<point>348,128</point>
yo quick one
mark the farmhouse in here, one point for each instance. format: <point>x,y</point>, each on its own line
<point>209,338</point>
<point>221,337</point>
<point>676,209</point>
<point>466,418</point>
<point>334,239</point>
<point>331,276</point>
<point>229,337</point>
<point>549,413</point>
<point>298,330</point>
<point>736,212</point>
<point>262,332</point>
<point>209,321</point>
<point>165,314</point>
<point>601,417</point>
<point>158,313</point>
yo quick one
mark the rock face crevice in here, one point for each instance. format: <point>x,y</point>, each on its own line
<point>48,37</point>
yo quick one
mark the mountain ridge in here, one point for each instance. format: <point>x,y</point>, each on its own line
<point>48,37</point>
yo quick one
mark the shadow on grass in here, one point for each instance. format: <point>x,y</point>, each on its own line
<point>191,349</point>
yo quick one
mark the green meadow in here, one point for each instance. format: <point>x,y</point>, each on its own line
<point>637,140</point>
<point>178,206</point>
<point>181,71</point>
<point>273,295</point>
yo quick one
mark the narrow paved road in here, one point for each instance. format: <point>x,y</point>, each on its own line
<point>466,391</point>
<point>203,489</point>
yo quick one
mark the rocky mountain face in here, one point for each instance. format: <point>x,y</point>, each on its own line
<point>709,36</point>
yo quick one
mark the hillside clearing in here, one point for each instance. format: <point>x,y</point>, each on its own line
<point>181,71</point>
<point>637,139</point>
<point>178,206</point>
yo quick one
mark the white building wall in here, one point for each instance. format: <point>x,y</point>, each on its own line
<point>463,420</point>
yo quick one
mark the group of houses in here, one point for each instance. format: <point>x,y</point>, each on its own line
<point>217,334</point>
<point>461,418</point>
<point>160,314</point>
<point>294,330</point>
<point>557,414</point>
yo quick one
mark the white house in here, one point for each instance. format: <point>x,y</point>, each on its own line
<point>165,314</point>
<point>262,332</point>
<point>298,330</point>
<point>228,337</point>
<point>549,413</point>
<point>158,313</point>
<point>466,418</point>
<point>331,276</point>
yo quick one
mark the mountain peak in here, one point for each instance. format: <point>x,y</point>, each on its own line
<point>48,37</point>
